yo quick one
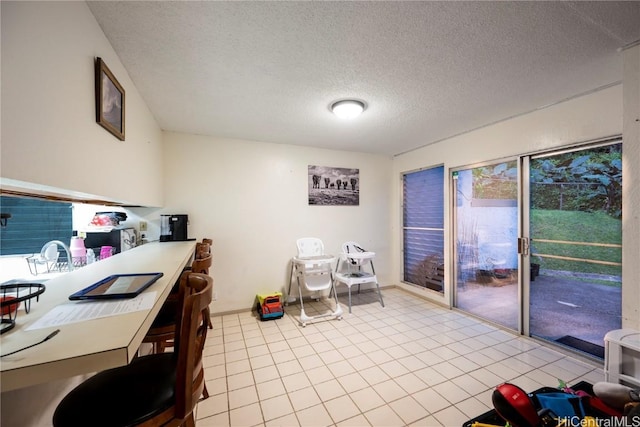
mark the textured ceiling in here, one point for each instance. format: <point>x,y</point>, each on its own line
<point>268,71</point>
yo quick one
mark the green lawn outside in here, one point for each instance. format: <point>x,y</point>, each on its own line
<point>576,226</point>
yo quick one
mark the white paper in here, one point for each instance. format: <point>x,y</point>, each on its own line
<point>86,310</point>
<point>121,285</point>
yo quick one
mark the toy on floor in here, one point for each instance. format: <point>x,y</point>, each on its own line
<point>514,405</point>
<point>270,306</point>
<point>617,396</point>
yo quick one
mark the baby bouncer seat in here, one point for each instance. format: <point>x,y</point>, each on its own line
<point>312,269</point>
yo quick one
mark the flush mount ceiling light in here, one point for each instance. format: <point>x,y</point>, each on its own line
<point>347,108</point>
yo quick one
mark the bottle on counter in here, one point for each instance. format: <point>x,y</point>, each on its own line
<point>91,256</point>
<point>78,251</point>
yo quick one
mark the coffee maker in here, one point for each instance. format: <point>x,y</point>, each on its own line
<point>173,228</point>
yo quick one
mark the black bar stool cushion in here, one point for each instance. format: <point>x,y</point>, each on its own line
<point>122,396</point>
<point>167,314</point>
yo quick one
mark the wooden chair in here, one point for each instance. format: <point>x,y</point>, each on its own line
<point>155,390</point>
<point>162,332</point>
<point>203,265</point>
<point>202,249</point>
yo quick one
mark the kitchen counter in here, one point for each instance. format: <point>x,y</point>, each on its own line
<point>92,345</point>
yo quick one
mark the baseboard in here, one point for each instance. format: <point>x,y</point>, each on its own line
<point>306,298</point>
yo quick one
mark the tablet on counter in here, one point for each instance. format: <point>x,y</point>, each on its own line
<point>117,286</point>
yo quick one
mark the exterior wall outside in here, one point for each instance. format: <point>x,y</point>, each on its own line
<point>49,133</point>
<point>493,243</point>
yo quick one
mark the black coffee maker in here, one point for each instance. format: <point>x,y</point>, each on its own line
<point>173,228</point>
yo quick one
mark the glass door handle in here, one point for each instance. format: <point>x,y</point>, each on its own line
<point>523,245</point>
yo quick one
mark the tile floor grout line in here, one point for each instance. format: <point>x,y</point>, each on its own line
<point>393,327</point>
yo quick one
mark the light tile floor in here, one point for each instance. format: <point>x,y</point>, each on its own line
<point>412,363</point>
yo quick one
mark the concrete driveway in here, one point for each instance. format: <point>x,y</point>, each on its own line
<point>560,305</point>
<point>574,306</point>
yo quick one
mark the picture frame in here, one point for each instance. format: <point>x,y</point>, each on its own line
<point>331,186</point>
<point>110,100</point>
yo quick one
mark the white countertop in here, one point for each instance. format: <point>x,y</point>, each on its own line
<point>93,345</point>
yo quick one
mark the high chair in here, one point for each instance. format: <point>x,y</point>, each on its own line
<point>312,270</point>
<point>349,269</point>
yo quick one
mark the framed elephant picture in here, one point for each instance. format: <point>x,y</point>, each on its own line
<point>330,186</point>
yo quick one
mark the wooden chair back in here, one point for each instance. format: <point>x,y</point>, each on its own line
<point>202,249</point>
<point>168,385</point>
<point>202,265</point>
<point>193,326</point>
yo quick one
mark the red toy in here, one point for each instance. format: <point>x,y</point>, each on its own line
<point>270,306</point>
<point>513,404</point>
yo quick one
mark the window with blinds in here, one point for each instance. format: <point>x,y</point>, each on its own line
<point>33,222</point>
<point>423,228</point>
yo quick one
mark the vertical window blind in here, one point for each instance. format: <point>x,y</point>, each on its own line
<point>423,228</point>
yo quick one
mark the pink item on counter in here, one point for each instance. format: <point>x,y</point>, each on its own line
<point>106,252</point>
<point>78,251</point>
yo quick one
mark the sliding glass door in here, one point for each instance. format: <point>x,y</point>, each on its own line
<point>538,244</point>
<point>486,234</point>
<point>576,246</point>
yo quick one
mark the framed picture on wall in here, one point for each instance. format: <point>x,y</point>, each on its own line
<point>329,186</point>
<point>109,100</point>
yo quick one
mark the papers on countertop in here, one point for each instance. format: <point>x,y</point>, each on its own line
<point>76,312</point>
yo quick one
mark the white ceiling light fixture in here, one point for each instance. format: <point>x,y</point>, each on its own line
<point>348,108</point>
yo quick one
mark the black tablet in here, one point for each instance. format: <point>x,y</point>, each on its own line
<point>117,286</point>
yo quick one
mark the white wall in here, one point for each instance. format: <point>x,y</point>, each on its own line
<point>631,190</point>
<point>49,133</point>
<point>251,198</point>
<point>590,117</point>
<point>50,141</point>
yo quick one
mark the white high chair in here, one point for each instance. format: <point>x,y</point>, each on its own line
<point>349,269</point>
<point>312,269</point>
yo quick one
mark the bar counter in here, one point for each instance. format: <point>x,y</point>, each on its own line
<point>93,345</point>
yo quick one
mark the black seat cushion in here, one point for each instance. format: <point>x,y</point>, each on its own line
<point>167,315</point>
<point>123,396</point>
